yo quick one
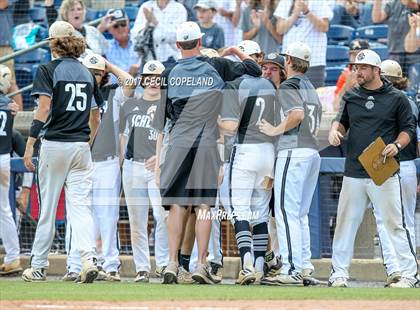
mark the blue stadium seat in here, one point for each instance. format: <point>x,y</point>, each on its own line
<point>381,50</point>
<point>101,13</point>
<point>91,15</point>
<point>337,55</point>
<point>37,56</point>
<point>24,77</point>
<point>372,33</point>
<point>340,33</point>
<point>332,74</point>
<point>107,35</point>
<point>38,14</point>
<point>131,12</point>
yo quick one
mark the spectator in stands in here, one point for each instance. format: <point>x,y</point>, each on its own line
<point>214,37</point>
<point>229,14</point>
<point>73,12</point>
<point>347,78</point>
<point>121,47</point>
<point>164,16</point>
<point>354,13</point>
<point>21,12</point>
<point>412,39</point>
<point>6,22</point>
<point>396,13</point>
<point>258,24</point>
<point>306,21</point>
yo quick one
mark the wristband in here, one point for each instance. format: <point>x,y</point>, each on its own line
<point>35,129</point>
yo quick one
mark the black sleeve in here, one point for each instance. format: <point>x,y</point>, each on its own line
<point>51,14</point>
<point>99,101</point>
<point>405,117</point>
<point>18,143</point>
<point>230,70</point>
<point>43,83</point>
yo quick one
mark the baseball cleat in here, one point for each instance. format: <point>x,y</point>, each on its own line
<point>202,275</point>
<point>290,280</point>
<point>338,282</point>
<point>246,276</point>
<point>70,277</point>
<point>89,272</point>
<point>393,278</point>
<point>113,276</point>
<point>216,272</point>
<point>310,280</point>
<point>101,275</point>
<point>34,275</point>
<point>184,276</point>
<point>267,280</point>
<point>272,267</point>
<point>142,277</point>
<point>159,271</point>
<point>404,283</point>
<point>170,273</point>
<point>7,269</point>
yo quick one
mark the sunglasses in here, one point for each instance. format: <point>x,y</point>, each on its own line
<point>120,24</point>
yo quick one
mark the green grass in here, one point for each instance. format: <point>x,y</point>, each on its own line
<point>56,290</point>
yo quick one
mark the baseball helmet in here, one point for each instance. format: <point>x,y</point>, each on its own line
<point>94,61</point>
<point>274,58</point>
<point>298,50</point>
<point>153,67</point>
<point>367,57</point>
<point>249,47</point>
<point>391,68</point>
<point>5,79</point>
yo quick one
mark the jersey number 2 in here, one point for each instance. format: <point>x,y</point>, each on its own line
<point>76,91</point>
<point>3,121</point>
<point>260,102</point>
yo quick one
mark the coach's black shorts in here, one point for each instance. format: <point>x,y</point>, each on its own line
<point>189,176</point>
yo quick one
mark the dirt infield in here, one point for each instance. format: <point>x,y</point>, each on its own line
<point>215,305</point>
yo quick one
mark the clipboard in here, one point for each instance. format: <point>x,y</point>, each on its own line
<point>378,167</point>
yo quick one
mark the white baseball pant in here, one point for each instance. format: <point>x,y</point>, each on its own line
<point>140,187</point>
<point>355,196</point>
<point>68,164</point>
<point>8,230</point>
<point>296,174</point>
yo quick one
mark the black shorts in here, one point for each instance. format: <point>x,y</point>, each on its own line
<point>189,176</point>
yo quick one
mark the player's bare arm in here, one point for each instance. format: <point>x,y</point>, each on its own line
<point>126,80</point>
<point>394,148</point>
<point>378,14</point>
<point>228,127</point>
<point>40,117</point>
<point>234,50</point>
<point>337,132</point>
<point>293,119</point>
<point>159,143</point>
<point>94,121</point>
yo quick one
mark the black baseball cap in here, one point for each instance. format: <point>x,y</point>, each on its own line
<point>358,45</point>
<point>117,15</point>
<point>274,58</point>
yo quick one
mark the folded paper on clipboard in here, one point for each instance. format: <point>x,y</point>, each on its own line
<point>378,167</point>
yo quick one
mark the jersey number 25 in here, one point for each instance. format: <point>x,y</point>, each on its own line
<point>76,91</point>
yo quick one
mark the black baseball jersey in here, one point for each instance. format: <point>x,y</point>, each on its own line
<point>136,118</point>
<point>410,151</point>
<point>248,100</point>
<point>369,114</point>
<point>6,125</point>
<point>299,93</point>
<point>71,87</point>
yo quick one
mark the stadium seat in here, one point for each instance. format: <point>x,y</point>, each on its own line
<point>24,77</point>
<point>381,50</point>
<point>332,74</point>
<point>38,14</point>
<point>340,33</point>
<point>131,12</point>
<point>37,56</point>
<point>107,35</point>
<point>91,15</point>
<point>372,33</point>
<point>337,55</point>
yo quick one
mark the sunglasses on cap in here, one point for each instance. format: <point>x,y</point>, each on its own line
<point>122,24</point>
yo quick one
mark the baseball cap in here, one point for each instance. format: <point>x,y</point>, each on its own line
<point>60,29</point>
<point>94,61</point>
<point>358,45</point>
<point>5,78</point>
<point>249,47</point>
<point>209,52</point>
<point>298,50</point>
<point>117,15</point>
<point>274,58</point>
<point>206,4</point>
<point>153,67</point>
<point>188,31</point>
<point>367,57</point>
<point>391,68</point>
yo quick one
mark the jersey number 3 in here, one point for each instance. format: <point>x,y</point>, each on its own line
<point>3,121</point>
<point>77,91</point>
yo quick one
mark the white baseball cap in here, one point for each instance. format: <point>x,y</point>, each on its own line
<point>391,68</point>
<point>299,50</point>
<point>94,61</point>
<point>5,79</point>
<point>206,4</point>
<point>367,57</point>
<point>249,47</point>
<point>60,29</point>
<point>188,31</point>
<point>209,52</point>
<point>153,67</point>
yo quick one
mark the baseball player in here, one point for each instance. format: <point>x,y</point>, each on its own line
<point>8,231</point>
<point>64,89</point>
<point>138,173</point>
<point>248,100</point>
<point>392,71</point>
<point>372,108</point>
<point>297,165</point>
<point>189,174</point>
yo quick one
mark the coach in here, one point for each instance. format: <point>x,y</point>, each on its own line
<point>371,109</point>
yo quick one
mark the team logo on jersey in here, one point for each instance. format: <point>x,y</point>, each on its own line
<point>151,111</point>
<point>370,104</point>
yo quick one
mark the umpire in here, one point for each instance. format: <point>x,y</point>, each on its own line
<point>371,109</point>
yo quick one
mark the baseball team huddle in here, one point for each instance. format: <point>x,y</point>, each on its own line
<point>236,131</point>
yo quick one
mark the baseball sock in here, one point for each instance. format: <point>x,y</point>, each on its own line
<point>260,242</point>
<point>244,241</point>
<point>185,261</point>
